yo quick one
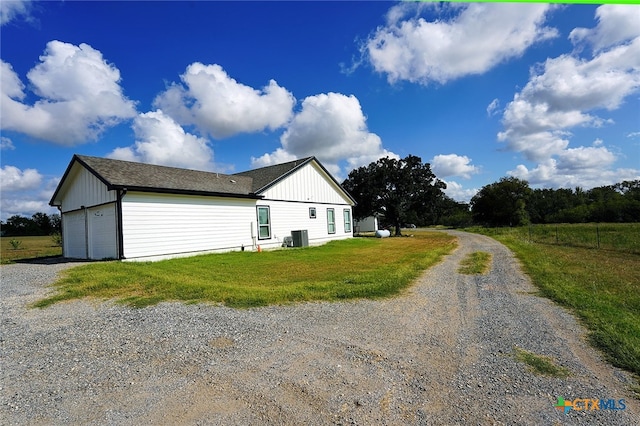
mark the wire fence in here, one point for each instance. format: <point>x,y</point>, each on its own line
<point>618,237</point>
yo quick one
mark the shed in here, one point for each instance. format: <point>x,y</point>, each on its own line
<point>113,209</point>
<point>368,224</point>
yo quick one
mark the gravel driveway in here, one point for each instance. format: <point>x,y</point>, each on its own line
<point>440,354</point>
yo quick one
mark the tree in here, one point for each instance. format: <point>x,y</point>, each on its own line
<point>455,214</point>
<point>43,222</point>
<point>56,222</point>
<point>543,204</point>
<point>17,225</point>
<point>502,203</point>
<point>38,224</point>
<point>630,189</point>
<point>401,190</point>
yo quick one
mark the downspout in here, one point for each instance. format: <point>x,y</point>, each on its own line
<point>119,231</point>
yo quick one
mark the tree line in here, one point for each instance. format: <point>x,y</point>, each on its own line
<point>37,225</point>
<point>406,191</point>
<point>511,202</point>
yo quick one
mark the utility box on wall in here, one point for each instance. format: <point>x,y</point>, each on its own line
<point>300,238</point>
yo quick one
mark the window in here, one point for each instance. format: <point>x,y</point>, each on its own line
<point>312,212</point>
<point>347,220</point>
<point>264,223</point>
<point>331,221</point>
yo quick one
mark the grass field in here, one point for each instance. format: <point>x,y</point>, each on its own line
<point>28,248</point>
<point>601,286</point>
<point>354,268</point>
<point>622,237</point>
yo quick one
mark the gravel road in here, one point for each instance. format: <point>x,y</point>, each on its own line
<point>440,354</point>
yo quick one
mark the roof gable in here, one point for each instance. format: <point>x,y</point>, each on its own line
<point>132,176</point>
<point>266,177</point>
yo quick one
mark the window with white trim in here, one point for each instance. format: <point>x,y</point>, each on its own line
<point>347,220</point>
<point>331,221</point>
<point>264,223</point>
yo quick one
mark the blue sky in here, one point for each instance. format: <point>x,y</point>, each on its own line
<point>546,93</point>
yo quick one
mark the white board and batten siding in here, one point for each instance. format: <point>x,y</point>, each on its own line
<point>89,220</point>
<point>308,184</point>
<point>74,234</point>
<point>84,189</point>
<point>102,238</point>
<point>161,226</point>
<point>91,233</point>
<point>289,202</point>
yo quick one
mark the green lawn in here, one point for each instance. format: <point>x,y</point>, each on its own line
<point>601,286</point>
<point>354,268</point>
<point>476,263</point>
<point>27,248</point>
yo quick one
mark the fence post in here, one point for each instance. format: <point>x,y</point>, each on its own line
<point>598,235</point>
<point>556,234</point>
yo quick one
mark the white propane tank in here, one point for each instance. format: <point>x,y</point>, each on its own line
<point>383,233</point>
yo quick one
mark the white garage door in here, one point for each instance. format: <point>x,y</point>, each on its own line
<point>74,235</point>
<point>102,240</point>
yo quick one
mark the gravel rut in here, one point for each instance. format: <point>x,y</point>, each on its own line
<point>440,354</point>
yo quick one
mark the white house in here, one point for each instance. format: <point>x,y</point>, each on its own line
<point>134,211</point>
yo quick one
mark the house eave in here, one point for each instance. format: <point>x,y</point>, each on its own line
<point>186,192</point>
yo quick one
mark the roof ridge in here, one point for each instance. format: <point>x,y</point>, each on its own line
<point>301,160</point>
<point>80,156</point>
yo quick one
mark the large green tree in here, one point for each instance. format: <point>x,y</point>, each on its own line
<point>402,190</point>
<point>502,203</point>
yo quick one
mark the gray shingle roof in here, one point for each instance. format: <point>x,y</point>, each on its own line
<point>118,174</point>
<point>127,174</point>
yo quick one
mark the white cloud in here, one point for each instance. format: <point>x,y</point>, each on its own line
<point>550,174</point>
<point>79,91</point>
<point>586,167</point>
<point>12,9</point>
<point>492,108</point>
<point>537,146</point>
<point>453,165</point>
<point>24,207</point>
<point>220,106</point>
<point>24,192</point>
<point>458,192</point>
<point>331,127</point>
<point>14,179</point>
<point>475,39</point>
<point>160,140</point>
<point>583,158</point>
<point>567,92</point>
<point>6,143</point>
<point>616,24</point>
